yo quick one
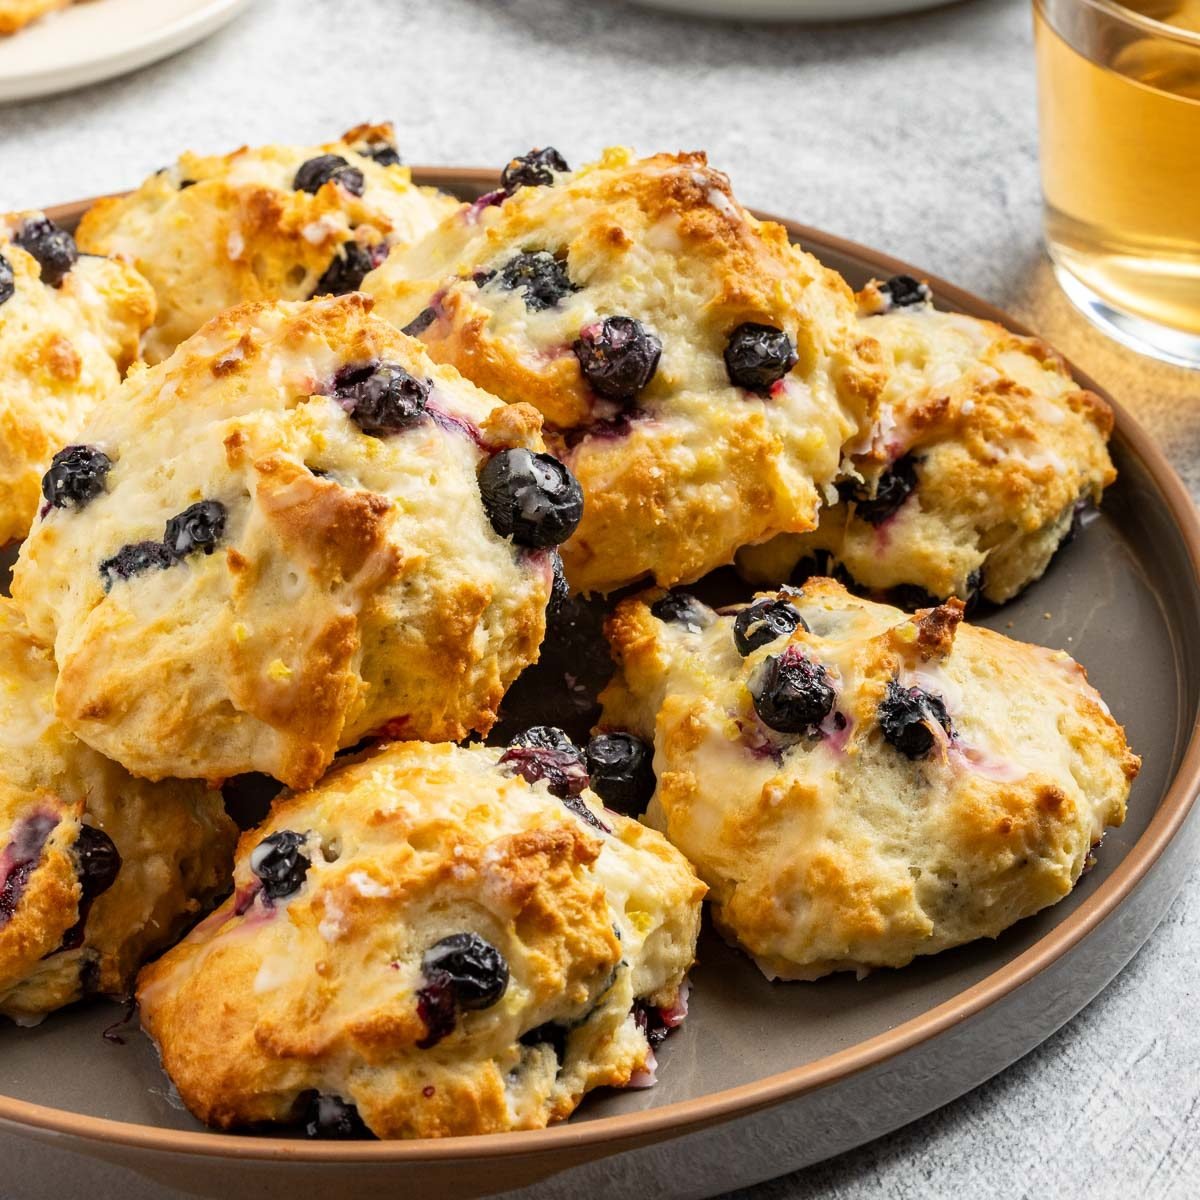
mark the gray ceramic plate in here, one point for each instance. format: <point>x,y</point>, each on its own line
<point>764,1078</point>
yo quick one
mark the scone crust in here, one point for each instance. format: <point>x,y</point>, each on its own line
<point>358,583</point>
<point>211,232</point>
<point>838,852</point>
<point>62,350</point>
<point>16,14</point>
<point>697,467</point>
<point>1007,446</point>
<point>267,1002</point>
<point>174,839</point>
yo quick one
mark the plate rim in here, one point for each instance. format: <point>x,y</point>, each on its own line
<point>156,44</point>
<point>686,1116</point>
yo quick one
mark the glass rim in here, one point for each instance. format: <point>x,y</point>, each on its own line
<point>1138,20</point>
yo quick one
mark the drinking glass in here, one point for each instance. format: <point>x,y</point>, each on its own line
<point>1119,105</point>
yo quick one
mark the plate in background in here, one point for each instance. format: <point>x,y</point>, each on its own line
<point>762,1078</point>
<point>794,10</point>
<point>99,39</point>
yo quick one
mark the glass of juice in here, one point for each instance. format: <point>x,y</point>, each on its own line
<point>1119,104</point>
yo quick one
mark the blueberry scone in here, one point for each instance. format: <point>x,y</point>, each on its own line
<point>858,786</point>
<point>16,14</point>
<point>97,870</point>
<point>698,373</point>
<point>275,222</point>
<point>69,327</point>
<point>434,941</point>
<point>984,451</point>
<point>296,531</point>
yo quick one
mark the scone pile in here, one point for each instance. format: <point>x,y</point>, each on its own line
<point>305,458</point>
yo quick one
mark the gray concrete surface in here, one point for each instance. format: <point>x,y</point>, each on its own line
<point>915,135</point>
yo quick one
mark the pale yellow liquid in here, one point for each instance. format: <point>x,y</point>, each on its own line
<point>1120,147</point>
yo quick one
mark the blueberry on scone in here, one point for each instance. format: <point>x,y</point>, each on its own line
<point>698,374</point>
<point>266,223</point>
<point>432,942</point>
<point>304,532</point>
<point>858,786</point>
<point>69,327</point>
<point>984,453</point>
<point>98,870</point>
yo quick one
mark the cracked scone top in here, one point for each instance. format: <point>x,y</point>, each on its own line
<point>277,544</point>
<point>429,943</point>
<point>264,223</point>
<point>857,786</point>
<point>69,327</point>
<point>98,870</point>
<point>16,14</point>
<point>984,450</point>
<point>698,373</point>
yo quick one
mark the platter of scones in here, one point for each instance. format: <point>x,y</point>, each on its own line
<point>519,679</point>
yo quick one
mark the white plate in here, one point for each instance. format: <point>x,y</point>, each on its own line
<point>794,10</point>
<point>101,38</point>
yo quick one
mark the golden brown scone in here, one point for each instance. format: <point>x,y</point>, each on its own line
<point>871,787</point>
<point>431,945</point>
<point>288,551</point>
<point>16,14</point>
<point>984,450</point>
<point>97,870</point>
<point>212,232</point>
<point>69,327</point>
<point>608,298</point>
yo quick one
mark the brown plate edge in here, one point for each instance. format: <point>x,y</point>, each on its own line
<point>689,1115</point>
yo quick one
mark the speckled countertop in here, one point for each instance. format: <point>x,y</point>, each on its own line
<point>916,135</point>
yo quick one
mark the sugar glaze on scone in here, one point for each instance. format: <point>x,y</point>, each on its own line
<point>98,870</point>
<point>699,374</point>
<point>984,451</point>
<point>287,550</point>
<point>16,14</point>
<point>69,327</point>
<point>428,944</point>
<point>857,786</point>
<point>262,223</point>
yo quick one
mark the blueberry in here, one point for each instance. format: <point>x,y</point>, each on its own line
<point>314,174</point>
<point>560,589</point>
<point>682,608</point>
<point>539,276</point>
<point>649,1020</point>
<point>280,862</point>
<point>8,282</point>
<point>618,357</point>
<point>420,322</point>
<point>545,752</point>
<point>621,768</point>
<point>895,486</point>
<point>21,855</point>
<point>911,596</point>
<point>757,356</point>
<point>530,497</point>
<point>76,476</point>
<point>334,1118</point>
<point>381,398</point>
<point>199,527</point>
<point>791,693</point>
<point>462,972</point>
<point>135,559</point>
<point>763,622</point>
<point>535,169</point>
<point>550,1034</point>
<point>54,248</point>
<point>907,717</point>
<point>350,266</point>
<point>97,862</point>
<point>903,291</point>
<point>381,151</point>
